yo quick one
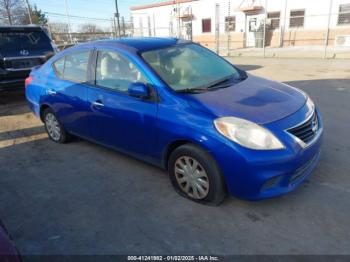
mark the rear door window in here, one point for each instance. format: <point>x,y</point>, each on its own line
<point>73,67</point>
<point>76,66</point>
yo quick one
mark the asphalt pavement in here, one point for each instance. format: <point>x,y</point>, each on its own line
<point>81,198</point>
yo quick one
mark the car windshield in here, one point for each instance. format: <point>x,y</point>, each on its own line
<point>190,67</point>
<point>29,40</point>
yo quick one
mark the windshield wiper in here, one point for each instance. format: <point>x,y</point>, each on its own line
<point>221,83</point>
<point>226,82</point>
<point>192,90</point>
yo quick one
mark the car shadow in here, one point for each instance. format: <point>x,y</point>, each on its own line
<point>21,133</point>
<point>10,97</point>
<point>13,103</point>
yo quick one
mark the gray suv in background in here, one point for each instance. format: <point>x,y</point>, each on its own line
<point>21,49</point>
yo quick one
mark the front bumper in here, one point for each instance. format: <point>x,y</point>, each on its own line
<point>254,175</point>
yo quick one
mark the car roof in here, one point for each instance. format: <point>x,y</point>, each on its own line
<point>140,44</point>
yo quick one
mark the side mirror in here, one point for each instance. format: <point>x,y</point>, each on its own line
<point>139,90</point>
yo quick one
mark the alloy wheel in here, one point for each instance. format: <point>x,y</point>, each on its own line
<point>53,127</point>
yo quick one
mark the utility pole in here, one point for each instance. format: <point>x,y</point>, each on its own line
<point>117,16</point>
<point>264,33</point>
<point>69,27</point>
<point>154,25</point>
<point>217,27</point>
<point>282,33</point>
<point>328,25</point>
<point>228,30</point>
<point>29,13</point>
<point>178,19</point>
<point>114,27</point>
<point>123,25</point>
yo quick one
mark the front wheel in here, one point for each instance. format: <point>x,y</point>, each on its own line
<point>195,175</point>
<point>54,129</point>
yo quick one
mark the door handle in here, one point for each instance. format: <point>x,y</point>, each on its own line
<point>51,92</point>
<point>97,104</point>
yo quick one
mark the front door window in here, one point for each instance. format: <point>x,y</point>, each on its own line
<point>113,71</point>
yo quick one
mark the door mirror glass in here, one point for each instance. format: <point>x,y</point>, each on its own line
<point>139,90</point>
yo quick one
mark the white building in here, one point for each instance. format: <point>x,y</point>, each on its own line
<point>240,23</point>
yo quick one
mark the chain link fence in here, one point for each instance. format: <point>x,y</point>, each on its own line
<point>63,36</point>
<point>260,32</point>
<point>256,32</point>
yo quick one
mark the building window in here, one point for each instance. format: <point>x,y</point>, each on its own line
<point>344,14</point>
<point>296,18</point>
<point>274,17</point>
<point>230,23</point>
<point>206,25</point>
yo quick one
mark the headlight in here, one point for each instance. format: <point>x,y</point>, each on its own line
<point>310,104</point>
<point>247,134</point>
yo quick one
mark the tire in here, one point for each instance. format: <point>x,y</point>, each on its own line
<point>54,128</point>
<point>187,176</point>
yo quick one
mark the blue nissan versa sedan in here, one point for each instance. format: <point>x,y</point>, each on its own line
<point>174,103</point>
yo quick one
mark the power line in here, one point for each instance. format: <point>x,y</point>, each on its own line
<point>76,16</point>
<point>100,6</point>
<point>57,7</point>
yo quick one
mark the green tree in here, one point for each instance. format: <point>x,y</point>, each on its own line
<point>38,16</point>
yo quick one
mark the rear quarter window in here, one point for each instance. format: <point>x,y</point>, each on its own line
<point>73,67</point>
<point>58,67</point>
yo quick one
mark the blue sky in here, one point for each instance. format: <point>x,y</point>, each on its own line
<point>101,9</point>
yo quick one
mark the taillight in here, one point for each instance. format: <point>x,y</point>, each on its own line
<point>28,81</point>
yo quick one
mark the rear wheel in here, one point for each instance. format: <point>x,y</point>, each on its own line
<point>195,175</point>
<point>53,127</point>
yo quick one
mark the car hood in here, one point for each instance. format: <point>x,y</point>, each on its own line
<point>256,99</point>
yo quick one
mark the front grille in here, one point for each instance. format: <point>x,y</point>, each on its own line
<point>307,130</point>
<point>25,63</point>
